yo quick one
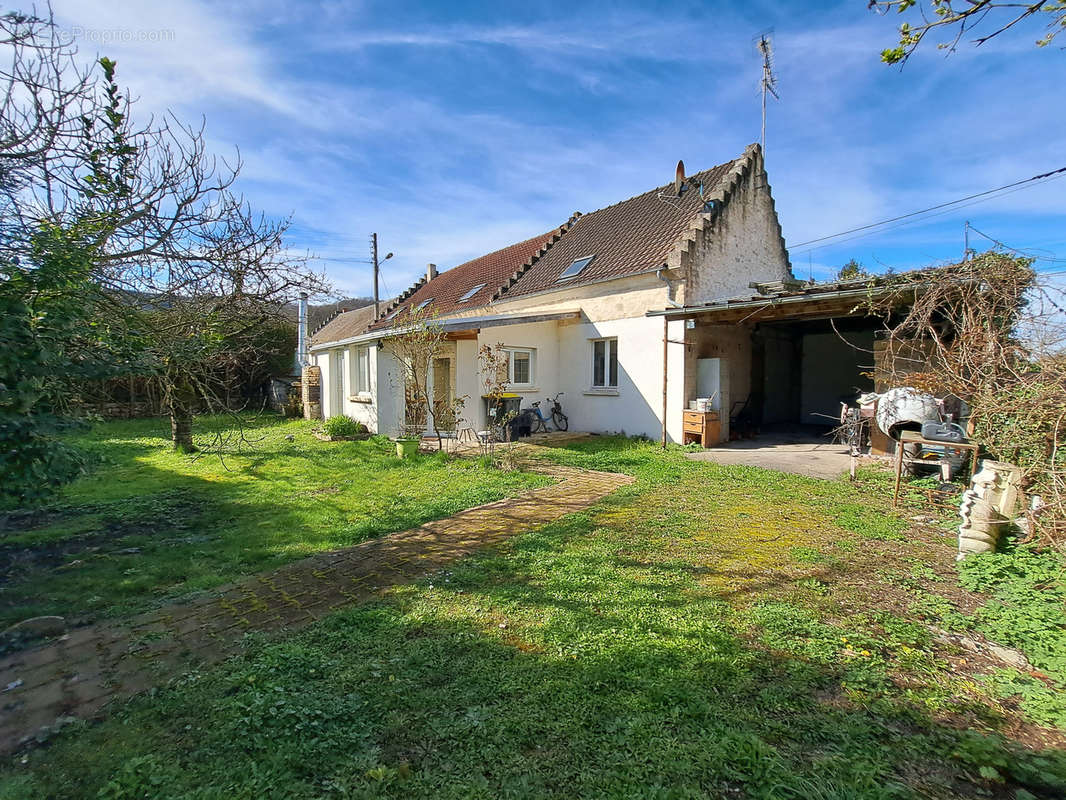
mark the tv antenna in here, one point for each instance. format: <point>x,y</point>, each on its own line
<point>769,80</point>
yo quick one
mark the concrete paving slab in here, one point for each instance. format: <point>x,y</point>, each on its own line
<point>813,457</point>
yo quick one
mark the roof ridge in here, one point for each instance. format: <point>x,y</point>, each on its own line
<point>496,251</point>
<point>661,188</point>
<point>398,300</point>
<point>336,313</point>
<point>518,273</point>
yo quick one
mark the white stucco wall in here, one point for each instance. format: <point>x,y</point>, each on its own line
<point>564,364</point>
<point>468,385</point>
<point>618,298</point>
<point>384,411</point>
<point>636,407</point>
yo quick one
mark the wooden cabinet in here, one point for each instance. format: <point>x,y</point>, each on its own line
<point>703,427</point>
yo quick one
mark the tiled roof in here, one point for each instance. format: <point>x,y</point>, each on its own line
<point>633,236</point>
<point>629,237</point>
<point>344,326</point>
<point>492,270</point>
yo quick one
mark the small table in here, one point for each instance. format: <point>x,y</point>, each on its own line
<point>702,425</point>
<point>914,437</point>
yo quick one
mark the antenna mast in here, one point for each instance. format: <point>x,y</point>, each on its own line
<point>769,80</point>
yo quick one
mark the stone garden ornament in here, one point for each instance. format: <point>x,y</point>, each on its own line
<point>987,506</point>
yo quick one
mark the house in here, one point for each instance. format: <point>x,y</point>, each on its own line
<point>619,310</point>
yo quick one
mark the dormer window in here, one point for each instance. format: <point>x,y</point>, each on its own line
<point>423,304</point>
<point>472,292</point>
<point>575,268</point>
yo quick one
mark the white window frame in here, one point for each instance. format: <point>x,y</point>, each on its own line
<point>532,352</point>
<point>359,371</point>
<point>362,370</point>
<point>610,348</point>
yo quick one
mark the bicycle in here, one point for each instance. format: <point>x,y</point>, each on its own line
<point>559,419</point>
<point>538,422</point>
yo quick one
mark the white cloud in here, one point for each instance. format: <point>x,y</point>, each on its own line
<point>452,139</point>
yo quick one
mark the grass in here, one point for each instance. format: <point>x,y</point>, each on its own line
<point>148,525</point>
<point>705,632</point>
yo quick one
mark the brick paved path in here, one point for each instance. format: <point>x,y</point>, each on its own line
<point>77,675</point>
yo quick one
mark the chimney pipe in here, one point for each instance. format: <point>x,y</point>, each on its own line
<point>301,334</point>
<point>431,272</point>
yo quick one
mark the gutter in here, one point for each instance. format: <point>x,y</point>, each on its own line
<point>660,274</point>
<point>454,324</point>
<point>504,298</point>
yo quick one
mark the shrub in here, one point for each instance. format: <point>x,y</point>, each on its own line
<point>341,425</point>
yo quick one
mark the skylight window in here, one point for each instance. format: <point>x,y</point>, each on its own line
<point>472,292</point>
<point>423,304</point>
<point>390,316</point>
<point>575,268</point>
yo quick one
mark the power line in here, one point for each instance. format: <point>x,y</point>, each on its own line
<point>1030,253</point>
<point>1042,176</point>
<point>904,223</point>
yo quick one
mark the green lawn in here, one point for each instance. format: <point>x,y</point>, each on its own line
<point>147,525</point>
<point>706,632</point>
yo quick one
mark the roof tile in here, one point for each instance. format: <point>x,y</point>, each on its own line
<point>635,235</point>
<point>492,270</point>
<point>344,326</point>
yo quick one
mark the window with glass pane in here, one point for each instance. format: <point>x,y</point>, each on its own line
<point>605,363</point>
<point>362,370</point>
<point>521,366</point>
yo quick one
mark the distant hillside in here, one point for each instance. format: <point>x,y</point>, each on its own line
<point>317,315</point>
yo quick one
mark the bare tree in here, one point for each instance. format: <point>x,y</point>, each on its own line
<point>985,330</point>
<point>493,370</point>
<point>418,341</point>
<point>143,215</point>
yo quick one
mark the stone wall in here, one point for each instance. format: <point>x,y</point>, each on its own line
<point>739,245</point>
<point>311,392</point>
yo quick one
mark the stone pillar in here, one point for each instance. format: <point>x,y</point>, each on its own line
<point>311,392</point>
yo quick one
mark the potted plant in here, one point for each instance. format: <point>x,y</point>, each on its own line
<point>407,441</point>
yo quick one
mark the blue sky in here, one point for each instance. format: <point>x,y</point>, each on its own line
<point>456,128</point>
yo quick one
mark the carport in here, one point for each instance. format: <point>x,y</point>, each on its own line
<point>780,362</point>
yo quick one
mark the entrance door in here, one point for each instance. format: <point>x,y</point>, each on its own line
<point>442,394</point>
<point>336,382</point>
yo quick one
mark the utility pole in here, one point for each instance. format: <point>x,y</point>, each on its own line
<point>377,270</point>
<point>966,241</point>
<point>769,81</point>
<point>374,259</point>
